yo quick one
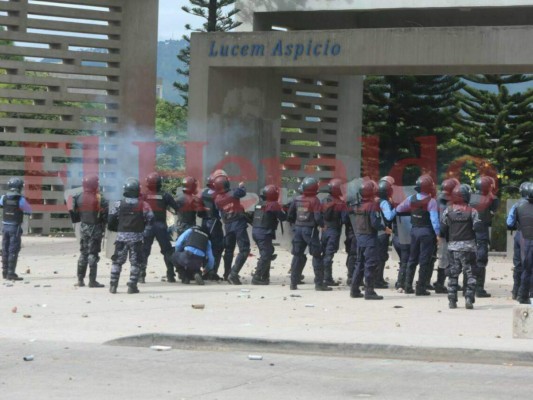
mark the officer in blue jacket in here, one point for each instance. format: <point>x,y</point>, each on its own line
<point>194,255</point>
<point>425,229</point>
<point>14,206</point>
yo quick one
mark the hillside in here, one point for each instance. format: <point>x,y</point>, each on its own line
<point>167,63</point>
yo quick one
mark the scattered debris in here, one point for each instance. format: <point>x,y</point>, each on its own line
<point>29,358</point>
<point>55,272</point>
<point>198,306</point>
<point>397,307</point>
<point>47,286</point>
<point>255,357</point>
<point>498,337</point>
<point>26,316</point>
<point>28,271</point>
<point>36,285</point>
<point>398,325</point>
<point>296,295</point>
<point>310,305</point>
<point>14,310</point>
<point>272,364</point>
<point>245,290</point>
<point>84,315</point>
<point>161,348</point>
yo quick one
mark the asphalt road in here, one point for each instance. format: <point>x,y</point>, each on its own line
<point>92,371</point>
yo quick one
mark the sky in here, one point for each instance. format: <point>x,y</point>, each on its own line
<point>172,19</point>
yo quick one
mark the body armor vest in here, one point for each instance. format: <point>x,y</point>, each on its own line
<point>187,212</point>
<point>363,224</point>
<point>197,239</point>
<point>460,226</point>
<point>483,206</point>
<point>419,212</point>
<point>209,204</point>
<point>304,213</point>
<point>12,212</point>
<point>130,217</point>
<point>158,206</point>
<point>88,204</point>
<point>524,214</point>
<point>264,219</point>
<point>332,213</point>
<point>229,206</point>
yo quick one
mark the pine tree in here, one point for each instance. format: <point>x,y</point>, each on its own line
<point>497,125</point>
<point>398,109</point>
<point>217,20</point>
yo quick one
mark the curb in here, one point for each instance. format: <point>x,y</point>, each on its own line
<point>351,350</point>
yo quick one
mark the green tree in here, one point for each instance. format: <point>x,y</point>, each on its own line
<point>216,20</point>
<point>497,125</point>
<point>398,109</point>
<point>171,131</point>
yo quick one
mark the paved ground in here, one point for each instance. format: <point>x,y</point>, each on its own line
<point>62,312</point>
<point>88,371</point>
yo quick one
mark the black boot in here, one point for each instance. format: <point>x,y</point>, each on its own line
<point>11,275</point>
<point>321,287</point>
<point>469,303</point>
<point>4,273</point>
<point>480,283</point>
<point>113,287</point>
<point>82,271</point>
<point>409,278</point>
<point>92,278</point>
<point>198,279</point>
<point>439,285</point>
<point>132,288</point>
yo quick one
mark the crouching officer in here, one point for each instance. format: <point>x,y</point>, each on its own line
<point>459,223</point>
<point>91,209</point>
<point>335,213</point>
<point>486,205</point>
<point>305,213</point>
<point>15,206</point>
<point>265,222</point>
<point>523,216</point>
<point>129,217</point>
<point>193,256</point>
<point>367,224</point>
<point>159,201</point>
<point>235,223</point>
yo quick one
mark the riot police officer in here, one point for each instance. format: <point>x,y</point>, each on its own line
<point>335,214</point>
<point>159,201</point>
<point>444,200</point>
<point>189,205</point>
<point>15,206</point>
<point>459,223</point>
<point>91,209</point>
<point>267,214</point>
<point>517,240</point>
<point>425,229</point>
<point>193,256</point>
<point>367,224</point>
<point>305,213</point>
<point>486,204</point>
<point>235,224</point>
<point>129,217</point>
<point>523,216</point>
<point>387,212</point>
<point>211,223</point>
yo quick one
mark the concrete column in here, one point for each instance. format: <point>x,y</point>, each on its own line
<point>236,112</point>
<point>350,124</point>
<point>138,66</point>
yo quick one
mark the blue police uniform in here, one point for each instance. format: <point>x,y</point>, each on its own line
<point>14,207</point>
<point>193,252</point>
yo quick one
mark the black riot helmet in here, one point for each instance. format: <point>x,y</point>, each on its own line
<point>310,186</point>
<point>270,193</point>
<point>425,184</point>
<point>461,194</point>
<point>15,185</point>
<point>448,185</point>
<point>154,181</point>
<point>334,187</point>
<point>524,189</point>
<point>483,184</point>
<point>530,192</point>
<point>384,189</point>
<point>132,188</point>
<point>368,190</point>
<point>221,184</point>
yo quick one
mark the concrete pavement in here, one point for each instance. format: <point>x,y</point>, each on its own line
<point>62,312</point>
